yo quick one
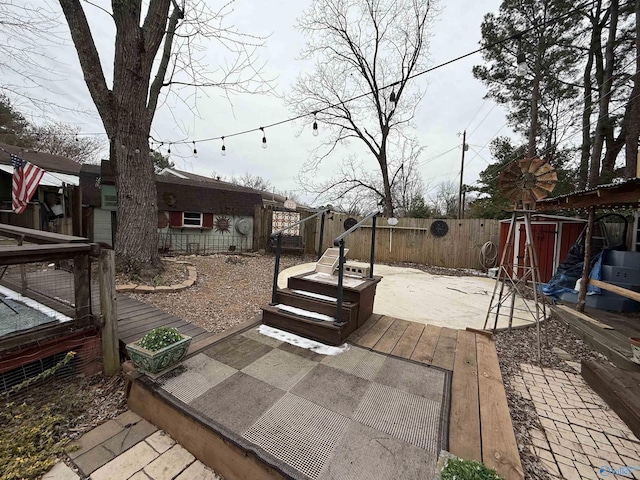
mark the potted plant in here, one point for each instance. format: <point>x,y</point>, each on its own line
<point>635,348</point>
<point>159,351</point>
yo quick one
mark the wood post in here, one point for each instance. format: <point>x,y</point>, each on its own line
<point>586,267</point>
<point>82,288</point>
<point>76,212</point>
<point>106,276</point>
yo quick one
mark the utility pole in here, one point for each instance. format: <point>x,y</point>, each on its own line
<point>464,148</point>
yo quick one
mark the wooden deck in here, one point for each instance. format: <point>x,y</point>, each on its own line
<point>480,425</point>
<point>135,318</point>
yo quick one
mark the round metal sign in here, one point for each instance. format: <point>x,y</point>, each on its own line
<point>392,221</point>
<point>349,222</point>
<point>439,228</point>
<point>290,204</point>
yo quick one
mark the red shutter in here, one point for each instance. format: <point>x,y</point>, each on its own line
<point>207,220</point>
<point>175,219</point>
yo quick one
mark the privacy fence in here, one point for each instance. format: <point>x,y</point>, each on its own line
<point>444,243</point>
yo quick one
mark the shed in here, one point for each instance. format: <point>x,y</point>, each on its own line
<point>553,236</point>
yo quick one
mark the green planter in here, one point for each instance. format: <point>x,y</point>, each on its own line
<point>161,361</point>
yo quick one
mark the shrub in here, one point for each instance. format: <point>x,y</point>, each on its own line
<point>159,338</point>
<point>457,469</point>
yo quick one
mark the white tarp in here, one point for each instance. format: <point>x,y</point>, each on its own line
<point>50,179</point>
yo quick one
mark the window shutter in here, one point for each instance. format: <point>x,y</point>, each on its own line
<point>207,220</point>
<point>175,219</point>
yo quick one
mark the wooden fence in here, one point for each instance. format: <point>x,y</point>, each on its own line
<point>412,241</point>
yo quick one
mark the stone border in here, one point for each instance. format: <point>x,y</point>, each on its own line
<point>191,280</point>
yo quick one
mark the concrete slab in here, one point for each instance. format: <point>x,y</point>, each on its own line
<point>128,437</point>
<point>160,441</point>
<point>426,382</point>
<point>92,460</point>
<point>237,402</point>
<point>366,453</point>
<point>279,368</point>
<point>333,389</point>
<point>94,437</point>
<point>127,464</point>
<point>198,471</point>
<point>61,471</point>
<point>238,351</point>
<point>447,301</point>
<point>168,465</point>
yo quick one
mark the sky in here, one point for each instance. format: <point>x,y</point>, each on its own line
<point>453,101</point>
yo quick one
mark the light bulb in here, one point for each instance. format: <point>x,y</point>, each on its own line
<point>224,149</point>
<point>137,150</point>
<point>392,97</point>
<point>264,142</point>
<point>169,150</point>
<point>195,152</point>
<point>315,128</point>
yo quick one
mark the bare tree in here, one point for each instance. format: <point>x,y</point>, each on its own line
<point>252,181</point>
<point>153,49</point>
<point>359,48</point>
<point>445,199</point>
<point>62,139</point>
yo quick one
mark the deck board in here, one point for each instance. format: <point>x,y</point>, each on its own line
<point>390,338</point>
<point>464,425</point>
<point>499,448</point>
<point>444,355</point>
<point>376,332</point>
<point>427,344</point>
<point>407,343</point>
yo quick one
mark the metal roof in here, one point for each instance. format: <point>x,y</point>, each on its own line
<point>624,193</point>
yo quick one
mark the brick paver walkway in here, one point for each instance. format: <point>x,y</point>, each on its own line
<point>582,438</point>
<point>129,447</point>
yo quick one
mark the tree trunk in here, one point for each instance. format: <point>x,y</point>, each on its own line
<point>633,131</point>
<point>604,122</point>
<point>533,127</point>
<point>583,172</point>
<point>388,199</point>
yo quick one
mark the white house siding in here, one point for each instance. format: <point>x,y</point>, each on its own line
<point>207,241</point>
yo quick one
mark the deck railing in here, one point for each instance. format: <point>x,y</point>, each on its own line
<point>278,237</point>
<point>339,242</point>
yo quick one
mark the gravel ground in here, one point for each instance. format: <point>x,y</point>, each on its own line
<point>230,289</point>
<point>520,346</point>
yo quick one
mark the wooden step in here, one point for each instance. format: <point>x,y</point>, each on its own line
<point>320,305</point>
<point>323,332</point>
<point>619,388</point>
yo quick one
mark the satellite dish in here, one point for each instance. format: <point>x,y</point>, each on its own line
<point>392,221</point>
<point>439,228</point>
<point>349,222</point>
<point>243,226</point>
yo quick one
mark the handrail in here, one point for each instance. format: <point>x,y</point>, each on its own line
<point>339,242</point>
<point>278,236</point>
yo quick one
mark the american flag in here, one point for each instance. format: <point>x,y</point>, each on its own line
<point>26,177</point>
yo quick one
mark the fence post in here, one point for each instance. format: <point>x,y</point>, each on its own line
<point>106,275</point>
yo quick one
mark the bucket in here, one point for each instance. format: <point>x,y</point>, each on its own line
<point>635,348</point>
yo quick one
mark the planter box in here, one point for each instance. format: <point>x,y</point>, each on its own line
<point>161,361</point>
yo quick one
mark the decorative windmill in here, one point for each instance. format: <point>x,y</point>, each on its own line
<point>525,182</point>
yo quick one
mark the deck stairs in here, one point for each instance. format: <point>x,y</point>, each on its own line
<point>308,305</point>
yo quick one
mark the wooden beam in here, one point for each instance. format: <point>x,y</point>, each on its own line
<point>38,236</point>
<point>13,255</point>
<point>499,447</point>
<point>464,423</point>
<point>624,292</point>
<point>106,278</point>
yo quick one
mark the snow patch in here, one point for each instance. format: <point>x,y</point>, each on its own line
<point>315,295</point>
<point>305,313</point>
<point>302,342</point>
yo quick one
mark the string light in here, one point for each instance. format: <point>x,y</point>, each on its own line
<point>195,152</point>
<point>315,124</point>
<point>392,97</point>
<point>224,149</point>
<point>77,139</point>
<point>264,138</point>
<point>137,150</point>
<point>169,150</point>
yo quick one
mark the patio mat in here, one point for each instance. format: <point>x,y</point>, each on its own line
<point>356,415</point>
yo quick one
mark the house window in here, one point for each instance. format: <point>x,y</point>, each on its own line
<point>192,219</point>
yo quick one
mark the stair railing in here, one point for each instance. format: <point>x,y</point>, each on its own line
<point>278,237</point>
<point>339,242</point>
